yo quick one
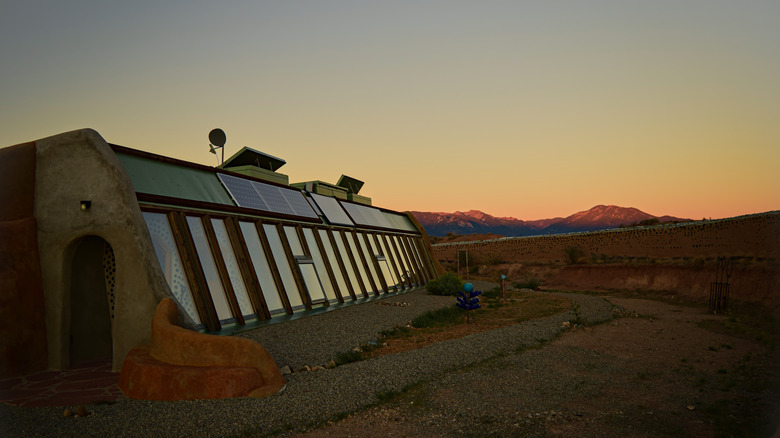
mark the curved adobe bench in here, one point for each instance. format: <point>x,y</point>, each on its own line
<point>181,364</point>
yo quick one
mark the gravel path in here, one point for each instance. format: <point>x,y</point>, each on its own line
<point>311,397</point>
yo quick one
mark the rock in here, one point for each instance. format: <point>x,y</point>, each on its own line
<point>565,324</point>
<point>317,368</point>
<point>303,369</point>
<point>691,408</point>
<point>81,411</point>
<point>286,370</point>
<point>67,413</point>
<point>331,364</point>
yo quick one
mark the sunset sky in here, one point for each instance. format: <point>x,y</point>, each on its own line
<point>529,109</point>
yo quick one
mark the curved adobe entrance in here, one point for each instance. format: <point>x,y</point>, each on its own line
<point>91,300</point>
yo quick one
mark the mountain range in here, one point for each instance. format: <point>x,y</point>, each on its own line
<point>600,217</point>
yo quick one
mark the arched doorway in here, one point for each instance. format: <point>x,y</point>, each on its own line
<point>91,300</point>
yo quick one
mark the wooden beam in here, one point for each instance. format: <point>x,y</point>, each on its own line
<point>351,256</point>
<point>325,261</point>
<point>375,262</point>
<point>193,271</point>
<point>296,272</point>
<point>269,256</point>
<point>340,262</point>
<point>222,271</point>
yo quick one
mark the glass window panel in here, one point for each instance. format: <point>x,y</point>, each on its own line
<point>334,264</point>
<point>283,266</point>
<point>209,268</point>
<point>417,255</point>
<point>316,257</point>
<point>379,218</point>
<point>356,213</point>
<point>292,238</point>
<point>390,259</point>
<point>405,269</point>
<point>168,256</point>
<point>370,257</point>
<point>234,272</point>
<point>387,272</point>
<point>358,261</point>
<point>409,254</point>
<point>353,277</point>
<point>313,285</point>
<point>263,272</point>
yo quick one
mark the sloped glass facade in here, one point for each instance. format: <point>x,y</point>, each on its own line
<point>230,265</point>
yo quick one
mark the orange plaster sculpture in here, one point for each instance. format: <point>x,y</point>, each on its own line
<point>181,364</point>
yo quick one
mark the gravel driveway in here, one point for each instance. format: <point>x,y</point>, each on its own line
<point>458,396</point>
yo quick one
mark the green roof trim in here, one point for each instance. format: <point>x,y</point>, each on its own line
<point>164,179</point>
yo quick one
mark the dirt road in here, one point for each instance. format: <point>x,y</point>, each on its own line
<point>658,369</point>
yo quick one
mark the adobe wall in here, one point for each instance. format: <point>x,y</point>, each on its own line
<point>757,283</point>
<point>78,166</point>
<point>22,317</point>
<point>746,236</point>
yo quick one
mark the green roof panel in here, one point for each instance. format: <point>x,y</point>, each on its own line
<point>164,179</point>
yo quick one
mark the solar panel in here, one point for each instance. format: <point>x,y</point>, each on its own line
<point>298,203</point>
<point>266,197</point>
<point>242,192</point>
<point>272,197</point>
<point>314,205</point>
<point>332,210</point>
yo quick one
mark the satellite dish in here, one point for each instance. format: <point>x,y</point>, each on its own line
<point>217,137</point>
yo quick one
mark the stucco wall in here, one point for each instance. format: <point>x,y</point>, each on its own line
<point>78,166</point>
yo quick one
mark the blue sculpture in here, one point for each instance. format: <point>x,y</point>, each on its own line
<point>468,300</point>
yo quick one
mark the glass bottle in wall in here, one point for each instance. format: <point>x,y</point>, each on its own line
<point>170,262</point>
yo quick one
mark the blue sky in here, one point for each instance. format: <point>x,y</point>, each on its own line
<point>523,109</point>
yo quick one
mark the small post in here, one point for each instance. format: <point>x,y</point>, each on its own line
<point>467,264</point>
<point>503,287</point>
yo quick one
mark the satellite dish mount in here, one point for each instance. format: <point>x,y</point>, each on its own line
<point>217,141</point>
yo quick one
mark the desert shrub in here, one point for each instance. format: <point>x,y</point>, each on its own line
<point>493,259</point>
<point>493,293</point>
<point>447,284</point>
<point>348,356</point>
<point>649,222</point>
<point>530,283</point>
<point>438,317</point>
<point>573,254</point>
